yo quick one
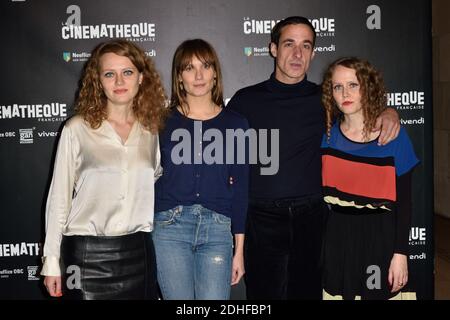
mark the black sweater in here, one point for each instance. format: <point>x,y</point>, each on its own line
<point>297,112</point>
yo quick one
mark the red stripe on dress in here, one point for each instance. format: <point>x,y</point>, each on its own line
<point>358,178</point>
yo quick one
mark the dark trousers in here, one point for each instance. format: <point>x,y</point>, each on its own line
<point>283,248</point>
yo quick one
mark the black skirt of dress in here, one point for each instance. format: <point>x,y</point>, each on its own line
<point>108,268</point>
<point>357,252</point>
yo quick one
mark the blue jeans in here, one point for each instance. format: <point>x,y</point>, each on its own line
<point>194,248</point>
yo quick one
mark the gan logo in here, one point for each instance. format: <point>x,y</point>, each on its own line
<point>417,236</point>
<point>66,56</point>
<point>26,136</point>
<point>248,51</point>
<point>32,272</point>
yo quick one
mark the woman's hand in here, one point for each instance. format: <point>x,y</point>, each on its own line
<point>53,285</point>
<point>398,272</point>
<point>238,269</point>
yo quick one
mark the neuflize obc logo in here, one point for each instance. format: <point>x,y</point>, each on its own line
<point>76,57</point>
<point>66,56</point>
<point>257,51</point>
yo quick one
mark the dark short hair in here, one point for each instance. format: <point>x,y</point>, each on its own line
<point>276,30</point>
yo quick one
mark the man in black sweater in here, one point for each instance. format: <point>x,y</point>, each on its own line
<point>286,214</point>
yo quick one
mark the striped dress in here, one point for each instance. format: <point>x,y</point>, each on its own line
<point>368,190</point>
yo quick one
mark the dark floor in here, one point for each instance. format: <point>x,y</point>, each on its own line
<point>442,258</point>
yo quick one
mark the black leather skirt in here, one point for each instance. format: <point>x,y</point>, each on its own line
<point>100,268</point>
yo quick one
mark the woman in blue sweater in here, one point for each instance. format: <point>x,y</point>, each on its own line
<point>201,199</point>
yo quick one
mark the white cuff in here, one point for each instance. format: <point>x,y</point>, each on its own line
<point>51,267</point>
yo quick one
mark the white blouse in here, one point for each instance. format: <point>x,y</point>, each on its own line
<point>100,186</point>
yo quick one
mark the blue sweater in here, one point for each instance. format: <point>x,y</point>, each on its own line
<point>190,178</point>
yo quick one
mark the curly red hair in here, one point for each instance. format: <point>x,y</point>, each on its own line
<point>149,105</point>
<point>372,90</point>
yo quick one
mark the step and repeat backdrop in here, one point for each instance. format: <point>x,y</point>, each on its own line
<point>45,44</point>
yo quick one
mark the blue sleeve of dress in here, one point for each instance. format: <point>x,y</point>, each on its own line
<point>240,174</point>
<point>405,157</point>
<point>325,143</point>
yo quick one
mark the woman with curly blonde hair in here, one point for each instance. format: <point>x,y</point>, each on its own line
<point>149,103</point>
<point>367,188</point>
<point>101,200</point>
